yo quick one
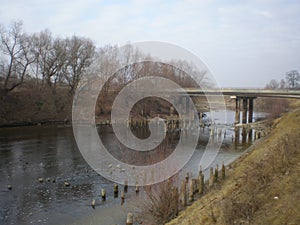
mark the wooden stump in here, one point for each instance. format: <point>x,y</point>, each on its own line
<point>103,194</point>
<point>223,171</point>
<point>191,191</point>
<point>183,194</point>
<point>116,190</point>
<point>211,178</point>
<point>137,189</point>
<point>216,175</point>
<point>125,186</point>
<point>176,200</point>
<point>122,197</point>
<point>129,220</point>
<point>201,182</point>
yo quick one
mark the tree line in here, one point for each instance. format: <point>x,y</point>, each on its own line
<point>42,57</point>
<point>291,81</point>
<point>55,62</point>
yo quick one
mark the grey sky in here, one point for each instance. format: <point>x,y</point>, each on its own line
<point>244,43</point>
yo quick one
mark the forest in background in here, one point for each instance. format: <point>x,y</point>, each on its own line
<point>39,74</point>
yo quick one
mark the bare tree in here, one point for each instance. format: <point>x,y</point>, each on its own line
<point>273,84</point>
<point>104,65</point>
<point>51,57</point>
<point>129,55</point>
<point>43,45</point>
<point>187,74</point>
<point>80,52</point>
<point>282,84</point>
<point>293,78</point>
<point>17,50</point>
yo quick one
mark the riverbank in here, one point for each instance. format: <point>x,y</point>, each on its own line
<point>261,187</point>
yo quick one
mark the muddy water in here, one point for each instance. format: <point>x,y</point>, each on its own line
<point>50,153</point>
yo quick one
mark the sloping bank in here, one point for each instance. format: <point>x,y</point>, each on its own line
<point>261,187</point>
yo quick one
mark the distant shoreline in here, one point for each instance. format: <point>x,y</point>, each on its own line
<point>25,124</point>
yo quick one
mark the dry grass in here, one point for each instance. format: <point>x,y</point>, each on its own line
<point>29,104</point>
<point>262,187</point>
<point>160,204</point>
<point>256,186</point>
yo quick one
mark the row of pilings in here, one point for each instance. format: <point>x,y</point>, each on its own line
<point>191,188</point>
<point>171,122</point>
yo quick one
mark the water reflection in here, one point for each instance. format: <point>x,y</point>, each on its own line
<point>132,157</point>
<point>242,136</point>
<point>29,153</point>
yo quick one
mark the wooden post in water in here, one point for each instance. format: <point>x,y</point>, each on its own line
<point>211,178</point>
<point>237,135</point>
<point>223,171</point>
<point>216,174</point>
<point>201,182</point>
<point>122,197</point>
<point>187,177</point>
<point>137,189</point>
<point>116,190</point>
<point>191,190</point>
<point>93,203</point>
<point>195,184</point>
<point>129,220</point>
<point>103,194</point>
<point>176,199</point>
<point>183,194</point>
<point>126,186</point>
<point>244,135</point>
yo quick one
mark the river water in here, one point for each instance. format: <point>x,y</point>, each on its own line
<point>50,153</point>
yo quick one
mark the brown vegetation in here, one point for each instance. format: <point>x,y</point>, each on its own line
<point>28,105</point>
<point>39,74</point>
<point>160,204</point>
<point>256,184</point>
<point>274,107</point>
<point>262,187</point>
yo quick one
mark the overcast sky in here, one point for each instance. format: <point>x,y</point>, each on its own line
<point>244,43</point>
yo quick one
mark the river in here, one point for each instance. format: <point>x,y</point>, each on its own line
<point>50,153</point>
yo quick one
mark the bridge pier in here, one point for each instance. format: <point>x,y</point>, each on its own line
<point>247,109</point>
<point>250,118</point>
<point>237,110</point>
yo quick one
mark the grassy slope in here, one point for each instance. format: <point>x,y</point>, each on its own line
<point>270,168</point>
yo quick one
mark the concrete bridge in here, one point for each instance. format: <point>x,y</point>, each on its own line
<point>282,93</point>
<point>246,98</point>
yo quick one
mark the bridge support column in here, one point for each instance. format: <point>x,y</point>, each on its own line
<point>237,110</point>
<point>187,105</point>
<point>245,103</point>
<point>250,117</point>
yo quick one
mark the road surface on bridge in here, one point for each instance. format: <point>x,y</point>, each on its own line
<point>282,93</point>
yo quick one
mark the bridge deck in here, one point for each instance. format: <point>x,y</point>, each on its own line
<point>246,92</point>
